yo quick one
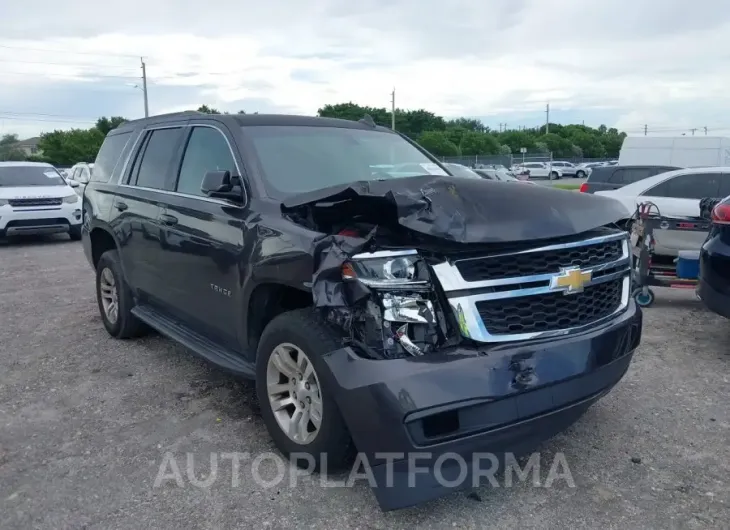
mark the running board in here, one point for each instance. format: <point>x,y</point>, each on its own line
<point>201,346</point>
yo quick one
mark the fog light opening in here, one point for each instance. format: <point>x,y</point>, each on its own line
<point>441,424</point>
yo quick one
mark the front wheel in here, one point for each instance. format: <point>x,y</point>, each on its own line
<point>75,233</point>
<point>580,174</point>
<point>296,400</point>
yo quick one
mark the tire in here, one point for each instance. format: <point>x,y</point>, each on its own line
<point>642,299</point>
<point>75,233</point>
<point>580,174</point>
<point>125,325</point>
<point>332,447</point>
<point>554,175</point>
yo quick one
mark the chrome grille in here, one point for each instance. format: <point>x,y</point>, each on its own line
<point>513,295</point>
<point>529,263</point>
<point>36,202</point>
<point>546,312</point>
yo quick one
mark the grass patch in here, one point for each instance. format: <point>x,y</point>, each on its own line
<point>567,186</point>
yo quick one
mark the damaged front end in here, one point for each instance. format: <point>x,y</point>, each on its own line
<point>385,300</point>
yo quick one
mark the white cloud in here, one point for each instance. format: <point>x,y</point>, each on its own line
<point>645,62</point>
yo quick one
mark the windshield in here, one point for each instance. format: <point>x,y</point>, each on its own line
<point>462,171</point>
<point>503,175</point>
<point>18,176</point>
<point>297,159</point>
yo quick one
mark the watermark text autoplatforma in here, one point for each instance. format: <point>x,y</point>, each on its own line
<point>450,470</point>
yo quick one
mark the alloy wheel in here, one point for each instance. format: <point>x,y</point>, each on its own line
<point>294,393</point>
<point>109,295</point>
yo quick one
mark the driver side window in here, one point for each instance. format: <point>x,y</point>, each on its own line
<point>207,150</point>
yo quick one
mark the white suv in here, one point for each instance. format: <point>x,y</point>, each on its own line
<point>80,173</point>
<point>36,199</point>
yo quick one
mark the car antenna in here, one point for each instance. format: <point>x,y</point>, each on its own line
<point>368,120</point>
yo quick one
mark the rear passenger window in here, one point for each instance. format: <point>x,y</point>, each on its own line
<point>207,150</point>
<point>617,177</point>
<point>697,186</point>
<point>108,157</point>
<point>151,169</point>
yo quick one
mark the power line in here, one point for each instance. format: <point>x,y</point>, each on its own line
<point>79,74</point>
<point>67,52</point>
<point>12,112</point>
<point>21,118</point>
<point>70,65</point>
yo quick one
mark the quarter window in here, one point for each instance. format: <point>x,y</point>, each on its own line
<point>108,157</point>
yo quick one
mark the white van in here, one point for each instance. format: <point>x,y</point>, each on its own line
<point>678,151</point>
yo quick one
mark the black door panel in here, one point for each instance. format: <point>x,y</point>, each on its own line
<point>202,247</point>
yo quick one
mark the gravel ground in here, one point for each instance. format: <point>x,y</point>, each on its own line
<point>85,422</point>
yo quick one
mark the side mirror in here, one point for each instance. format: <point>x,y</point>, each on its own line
<point>72,183</point>
<point>222,185</point>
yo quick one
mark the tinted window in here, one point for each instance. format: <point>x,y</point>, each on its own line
<point>688,187</point>
<point>155,162</point>
<point>207,150</point>
<point>18,176</point>
<point>629,175</point>
<point>108,157</point>
<point>295,159</point>
<point>462,171</point>
<point>724,185</point>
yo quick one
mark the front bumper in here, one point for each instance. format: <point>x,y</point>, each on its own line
<point>498,399</point>
<point>39,220</point>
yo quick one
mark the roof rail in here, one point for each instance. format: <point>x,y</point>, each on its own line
<point>168,115</point>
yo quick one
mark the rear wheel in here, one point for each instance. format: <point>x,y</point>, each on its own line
<point>296,400</point>
<point>580,174</point>
<point>115,298</point>
<point>554,175</point>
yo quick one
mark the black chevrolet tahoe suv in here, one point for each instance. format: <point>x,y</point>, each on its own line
<point>381,304</point>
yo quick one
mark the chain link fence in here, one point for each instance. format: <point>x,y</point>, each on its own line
<point>510,160</point>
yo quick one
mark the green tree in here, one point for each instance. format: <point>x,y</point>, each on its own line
<point>72,146</point>
<point>437,143</point>
<point>9,150</point>
<point>208,110</point>
<point>105,124</point>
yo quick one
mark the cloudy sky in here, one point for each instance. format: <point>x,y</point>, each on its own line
<point>624,63</point>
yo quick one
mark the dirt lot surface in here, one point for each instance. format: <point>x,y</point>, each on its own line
<point>85,422</point>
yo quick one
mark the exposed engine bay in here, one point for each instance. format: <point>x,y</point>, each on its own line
<point>373,274</point>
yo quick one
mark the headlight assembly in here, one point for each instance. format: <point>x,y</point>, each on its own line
<point>387,269</point>
<point>71,199</point>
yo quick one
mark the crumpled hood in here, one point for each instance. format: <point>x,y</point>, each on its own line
<point>470,210</point>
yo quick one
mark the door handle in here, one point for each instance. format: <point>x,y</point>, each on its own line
<point>168,219</point>
<point>121,206</point>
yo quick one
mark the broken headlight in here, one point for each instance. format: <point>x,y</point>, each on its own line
<point>401,269</point>
<point>401,317</point>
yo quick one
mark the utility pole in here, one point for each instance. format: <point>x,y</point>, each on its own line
<point>144,88</point>
<point>392,109</point>
<point>646,127</point>
<point>547,118</point>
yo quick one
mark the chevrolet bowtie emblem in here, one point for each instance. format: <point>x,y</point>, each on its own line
<point>570,280</point>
